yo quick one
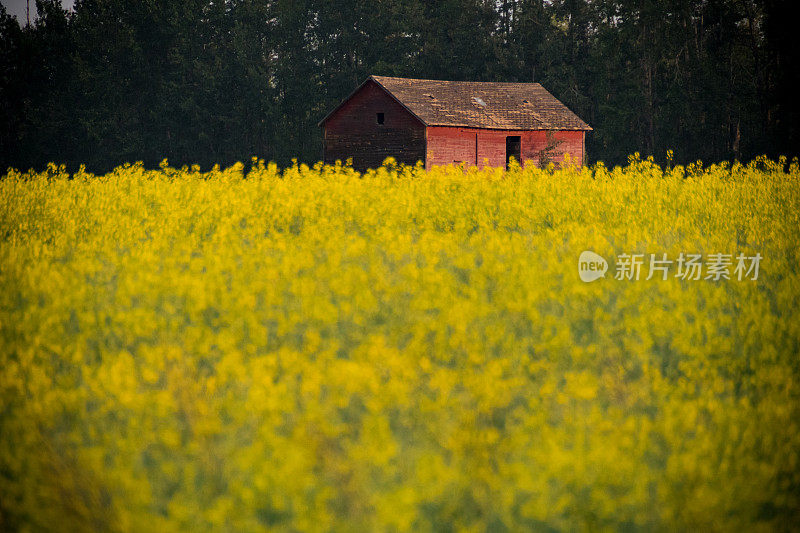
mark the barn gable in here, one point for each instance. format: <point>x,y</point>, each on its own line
<point>371,125</point>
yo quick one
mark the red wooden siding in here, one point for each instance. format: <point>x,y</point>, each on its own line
<point>447,145</point>
<point>353,131</point>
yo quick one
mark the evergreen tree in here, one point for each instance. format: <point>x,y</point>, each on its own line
<point>216,81</point>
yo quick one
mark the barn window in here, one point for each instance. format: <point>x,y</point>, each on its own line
<point>380,118</point>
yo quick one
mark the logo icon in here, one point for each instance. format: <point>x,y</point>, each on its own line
<point>591,266</point>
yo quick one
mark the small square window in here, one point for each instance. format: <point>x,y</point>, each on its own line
<point>379,117</point>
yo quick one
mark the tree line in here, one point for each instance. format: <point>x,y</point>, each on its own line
<point>219,81</point>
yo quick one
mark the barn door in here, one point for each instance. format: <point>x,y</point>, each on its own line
<point>513,149</point>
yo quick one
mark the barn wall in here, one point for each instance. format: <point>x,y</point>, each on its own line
<point>353,131</point>
<point>448,145</point>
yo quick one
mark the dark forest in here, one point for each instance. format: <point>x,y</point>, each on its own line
<point>205,82</point>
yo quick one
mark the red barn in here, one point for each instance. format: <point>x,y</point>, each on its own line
<point>446,122</point>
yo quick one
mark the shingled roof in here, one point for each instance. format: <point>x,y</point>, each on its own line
<point>473,104</point>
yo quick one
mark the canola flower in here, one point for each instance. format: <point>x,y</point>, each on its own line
<point>315,349</point>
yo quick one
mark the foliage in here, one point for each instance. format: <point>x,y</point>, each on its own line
<point>219,81</point>
<point>319,350</point>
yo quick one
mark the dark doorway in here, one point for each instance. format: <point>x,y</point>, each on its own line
<point>513,149</point>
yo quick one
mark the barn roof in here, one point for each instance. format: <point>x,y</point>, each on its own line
<point>473,104</point>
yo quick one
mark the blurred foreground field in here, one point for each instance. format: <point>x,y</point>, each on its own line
<point>316,350</point>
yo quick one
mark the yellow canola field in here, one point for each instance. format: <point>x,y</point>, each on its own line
<point>317,350</point>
